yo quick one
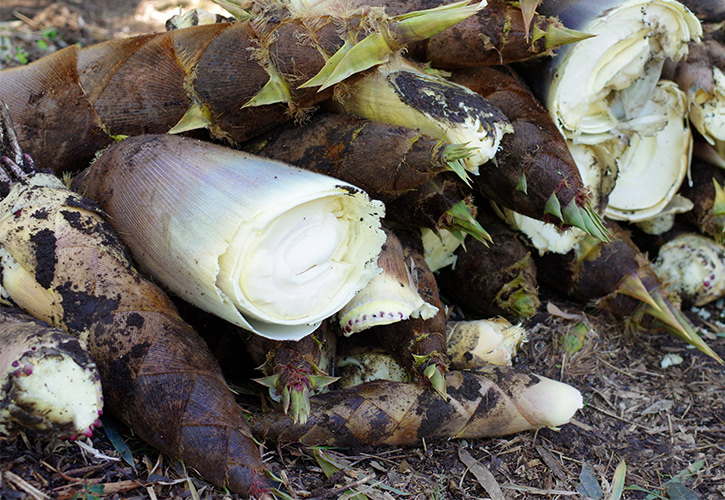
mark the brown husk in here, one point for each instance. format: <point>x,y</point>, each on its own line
<point>536,151</point>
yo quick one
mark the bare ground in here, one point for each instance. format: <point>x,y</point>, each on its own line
<point>667,424</point>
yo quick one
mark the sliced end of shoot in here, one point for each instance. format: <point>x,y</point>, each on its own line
<point>677,325</point>
<point>459,219</point>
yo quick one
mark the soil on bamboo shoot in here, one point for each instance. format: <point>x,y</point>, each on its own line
<point>384,160</point>
<point>533,173</point>
<point>49,385</point>
<point>62,263</point>
<point>489,402</point>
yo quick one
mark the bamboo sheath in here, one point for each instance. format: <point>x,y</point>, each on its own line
<point>234,79</point>
<point>62,263</point>
<point>147,84</point>
<point>489,402</point>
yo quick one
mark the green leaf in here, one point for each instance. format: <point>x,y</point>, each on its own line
<point>620,473</point>
<point>678,491</point>
<point>392,489</point>
<point>573,340</point>
<point>109,426</point>
<point>328,465</point>
<point>588,485</point>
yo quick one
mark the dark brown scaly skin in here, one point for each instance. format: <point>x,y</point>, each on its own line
<point>495,35</point>
<point>596,276</point>
<point>384,160</point>
<point>158,376</point>
<point>535,151</point>
<point>619,279</point>
<point>498,279</point>
<point>483,403</point>
<point>708,11</point>
<point>428,205</point>
<point>708,213</point>
<point>72,103</point>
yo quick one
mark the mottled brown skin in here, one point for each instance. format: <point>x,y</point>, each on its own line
<point>158,376</point>
<point>535,149</point>
<point>695,70</point>
<point>597,278</point>
<point>494,35</point>
<point>426,206</point>
<point>484,277</point>
<point>709,11</point>
<point>384,160</point>
<point>702,194</point>
<point>416,336</point>
<point>481,404</point>
<point>68,105</point>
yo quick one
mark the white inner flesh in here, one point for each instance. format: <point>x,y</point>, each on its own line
<point>439,248</point>
<point>306,263</point>
<point>653,166</point>
<point>631,43</point>
<point>63,392</point>
<point>606,93</point>
<point>546,237</point>
<point>383,301</point>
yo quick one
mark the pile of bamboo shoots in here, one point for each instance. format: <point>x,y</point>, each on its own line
<point>381,166</point>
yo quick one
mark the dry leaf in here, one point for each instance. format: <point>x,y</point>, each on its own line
<point>483,475</point>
